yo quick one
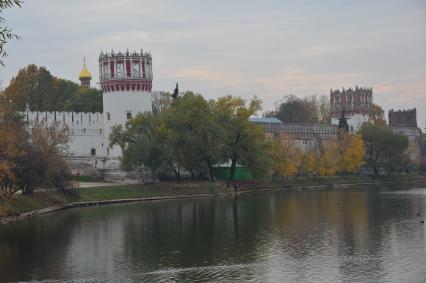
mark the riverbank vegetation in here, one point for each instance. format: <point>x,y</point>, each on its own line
<point>42,199</point>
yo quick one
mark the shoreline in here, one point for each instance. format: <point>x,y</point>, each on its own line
<point>47,210</point>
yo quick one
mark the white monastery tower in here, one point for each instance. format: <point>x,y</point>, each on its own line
<point>126,83</point>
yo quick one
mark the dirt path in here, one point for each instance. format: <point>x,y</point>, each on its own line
<point>99,184</point>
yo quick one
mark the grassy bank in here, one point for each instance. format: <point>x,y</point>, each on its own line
<point>140,191</point>
<point>26,203</point>
<point>39,200</point>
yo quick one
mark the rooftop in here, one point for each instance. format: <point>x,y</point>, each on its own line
<point>265,120</point>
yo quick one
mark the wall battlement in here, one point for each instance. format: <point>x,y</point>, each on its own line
<point>73,120</point>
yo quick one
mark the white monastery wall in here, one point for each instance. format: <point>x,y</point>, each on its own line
<point>86,130</point>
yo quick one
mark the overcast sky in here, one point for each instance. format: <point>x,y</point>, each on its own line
<point>268,48</point>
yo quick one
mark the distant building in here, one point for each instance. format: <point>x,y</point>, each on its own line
<point>405,122</point>
<point>403,118</point>
<point>423,153</point>
<point>357,104</point>
<point>305,135</point>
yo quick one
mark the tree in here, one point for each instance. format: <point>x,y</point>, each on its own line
<point>282,152</point>
<point>329,158</point>
<point>6,33</point>
<point>302,110</point>
<point>175,94</point>
<point>31,86</point>
<point>244,142</point>
<point>44,163</point>
<point>383,147</point>
<point>28,164</point>
<point>377,115</point>
<point>143,144</point>
<point>343,122</point>
<point>351,152</point>
<point>182,136</point>
<point>198,134</point>
<point>13,142</point>
<point>160,101</point>
<point>85,100</point>
<point>324,109</point>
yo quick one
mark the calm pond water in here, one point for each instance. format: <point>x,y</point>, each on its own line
<point>306,236</point>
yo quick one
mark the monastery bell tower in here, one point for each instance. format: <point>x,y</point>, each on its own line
<point>126,83</point>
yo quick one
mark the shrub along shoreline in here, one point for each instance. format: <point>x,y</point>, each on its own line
<point>25,206</point>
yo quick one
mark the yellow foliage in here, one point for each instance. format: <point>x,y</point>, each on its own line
<point>283,154</point>
<point>310,163</point>
<point>327,158</point>
<point>352,151</point>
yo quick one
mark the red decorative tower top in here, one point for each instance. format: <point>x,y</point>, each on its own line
<point>353,101</point>
<point>125,71</point>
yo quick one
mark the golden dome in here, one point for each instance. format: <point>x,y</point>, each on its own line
<point>85,74</point>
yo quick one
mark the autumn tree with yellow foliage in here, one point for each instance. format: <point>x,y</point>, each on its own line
<point>329,159</point>
<point>283,155</point>
<point>351,152</point>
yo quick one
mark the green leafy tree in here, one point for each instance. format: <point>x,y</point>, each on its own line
<point>297,110</point>
<point>61,99</point>
<point>86,100</point>
<point>149,143</point>
<point>182,136</point>
<point>144,146</point>
<point>383,147</point>
<point>244,142</point>
<point>199,136</point>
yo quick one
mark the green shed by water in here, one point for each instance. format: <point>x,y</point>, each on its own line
<point>222,173</point>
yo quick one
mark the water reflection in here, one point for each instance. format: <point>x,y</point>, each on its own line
<point>353,235</point>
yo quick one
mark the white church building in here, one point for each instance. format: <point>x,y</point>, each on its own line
<point>126,84</point>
